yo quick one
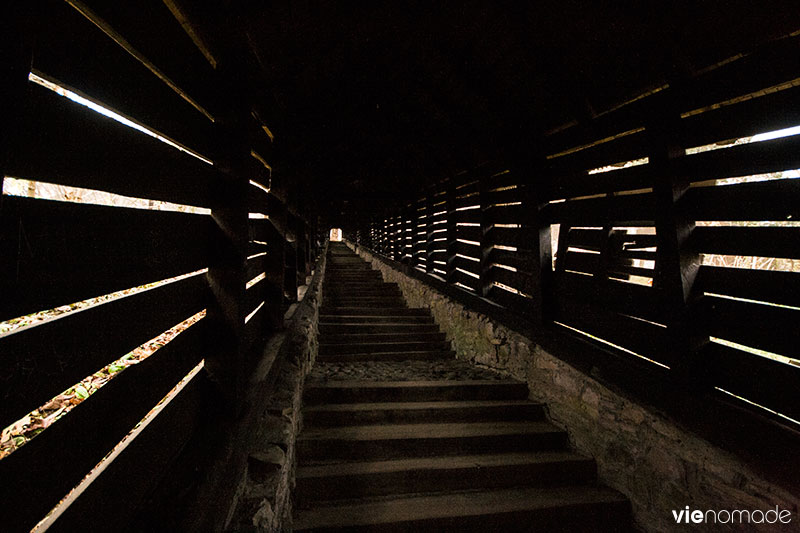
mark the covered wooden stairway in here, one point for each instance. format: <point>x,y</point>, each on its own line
<point>424,455</point>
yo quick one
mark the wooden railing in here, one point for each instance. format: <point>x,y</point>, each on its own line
<point>613,232</point>
<point>55,253</point>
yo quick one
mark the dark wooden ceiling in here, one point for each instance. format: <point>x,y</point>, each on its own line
<point>369,101</point>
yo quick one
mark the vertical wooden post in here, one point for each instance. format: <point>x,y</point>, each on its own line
<point>486,241</point>
<point>676,264</point>
<point>452,229</point>
<point>535,236</point>
<point>225,359</point>
<point>429,229</point>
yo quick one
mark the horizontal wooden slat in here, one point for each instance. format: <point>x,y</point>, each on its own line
<point>640,337</point>
<point>627,148</point>
<point>78,54</point>
<point>771,65</point>
<point>470,250</point>
<point>47,467</point>
<point>766,200</point>
<point>520,260</point>
<point>503,197</point>
<point>757,115</point>
<point>509,300</point>
<point>573,185</point>
<point>69,144</point>
<point>460,277</point>
<point>743,160</point>
<point>582,262</point>
<point>126,482</point>
<point>505,215</point>
<point>763,381</point>
<point>626,298</point>
<point>468,201</point>
<point>466,264</point>
<point>57,253</point>
<point>470,233</point>
<point>623,241</point>
<point>621,269</point>
<point>760,326</point>
<point>40,362</point>
<point>597,211</point>
<point>518,280</point>
<point>470,215</point>
<point>254,267</point>
<point>154,32</point>
<point>749,241</point>
<point>587,239</point>
<point>763,285</point>
<point>515,237</point>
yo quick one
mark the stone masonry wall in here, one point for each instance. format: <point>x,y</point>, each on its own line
<point>639,451</point>
<point>264,502</point>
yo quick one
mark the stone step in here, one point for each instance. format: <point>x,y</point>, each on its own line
<point>378,290</point>
<point>422,355</point>
<point>394,441</point>
<point>356,327</point>
<point>391,301</point>
<point>573,509</point>
<point>359,414</point>
<point>374,311</point>
<point>380,347</point>
<point>355,318</point>
<point>338,481</point>
<point>412,391</point>
<point>361,338</point>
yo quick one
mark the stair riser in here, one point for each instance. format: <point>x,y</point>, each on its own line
<point>379,347</point>
<point>422,416</point>
<point>394,302</point>
<point>375,311</point>
<point>556,473</point>
<point>375,319</point>
<point>578,518</point>
<point>389,356</point>
<point>311,451</point>
<point>484,391</point>
<point>326,329</point>
<point>381,337</point>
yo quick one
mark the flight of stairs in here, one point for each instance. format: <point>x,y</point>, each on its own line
<point>434,455</point>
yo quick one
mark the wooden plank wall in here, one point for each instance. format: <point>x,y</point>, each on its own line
<point>55,253</point>
<point>637,267</point>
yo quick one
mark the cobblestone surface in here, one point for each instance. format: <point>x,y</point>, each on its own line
<point>445,369</point>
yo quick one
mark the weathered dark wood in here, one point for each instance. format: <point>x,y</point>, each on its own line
<point>776,200</point>
<point>464,279</point>
<point>470,250</point>
<point>78,54</point>
<point>152,31</point>
<point>745,159</point>
<point>49,466</point>
<point>756,115</point>
<point>764,327</point>
<point>749,241</point>
<point>755,378</point>
<point>466,264</point>
<point>69,144</point>
<point>576,184</point>
<point>627,148</point>
<point>38,363</point>
<point>762,285</point>
<point>629,208</point>
<point>47,261</point>
<point>639,336</point>
<point>626,298</point>
<point>770,65</point>
<point>142,464</point>
<point>583,262</point>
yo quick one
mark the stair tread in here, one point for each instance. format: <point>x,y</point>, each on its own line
<point>459,504</point>
<point>362,384</point>
<point>445,430</point>
<point>438,463</point>
<point>418,406</point>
